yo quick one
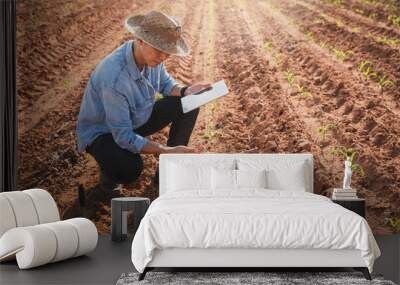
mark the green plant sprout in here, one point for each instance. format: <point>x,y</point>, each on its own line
<point>394,20</point>
<point>384,82</point>
<point>359,11</point>
<point>336,2</point>
<point>371,2</point>
<point>348,154</point>
<point>318,21</point>
<point>341,54</point>
<point>367,69</point>
<point>268,47</point>
<point>388,41</point>
<point>211,133</point>
<point>290,77</point>
<point>393,223</point>
<point>278,58</point>
<point>355,30</point>
<point>323,130</point>
<point>373,16</point>
<point>302,91</point>
<point>339,23</point>
<point>323,44</point>
<point>363,64</point>
<point>310,35</point>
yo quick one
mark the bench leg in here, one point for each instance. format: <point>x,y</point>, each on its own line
<point>364,271</point>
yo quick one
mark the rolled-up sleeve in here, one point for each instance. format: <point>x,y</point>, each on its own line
<point>166,81</point>
<point>119,121</point>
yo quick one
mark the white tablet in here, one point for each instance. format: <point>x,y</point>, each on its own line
<point>192,102</point>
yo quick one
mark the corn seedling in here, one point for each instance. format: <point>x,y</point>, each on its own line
<point>323,44</point>
<point>302,91</point>
<point>359,11</point>
<point>388,41</point>
<point>371,2</point>
<point>318,21</point>
<point>323,130</point>
<point>336,2</point>
<point>384,82</point>
<point>348,154</point>
<point>394,20</point>
<point>278,58</point>
<point>268,47</point>
<point>310,35</point>
<point>367,69</point>
<point>373,16</point>
<point>393,223</point>
<point>341,54</point>
<point>355,30</point>
<point>358,169</point>
<point>339,23</point>
<point>290,77</point>
<point>363,64</point>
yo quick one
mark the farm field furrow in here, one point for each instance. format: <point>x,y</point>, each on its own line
<point>360,49</point>
<point>304,76</point>
<point>331,102</point>
<point>373,19</point>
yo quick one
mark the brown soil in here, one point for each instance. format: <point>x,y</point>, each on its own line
<point>252,45</point>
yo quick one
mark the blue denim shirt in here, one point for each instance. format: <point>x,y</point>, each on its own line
<point>119,98</point>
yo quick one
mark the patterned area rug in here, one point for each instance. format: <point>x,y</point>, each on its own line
<point>273,278</point>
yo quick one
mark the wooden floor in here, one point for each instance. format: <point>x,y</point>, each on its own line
<point>111,259</point>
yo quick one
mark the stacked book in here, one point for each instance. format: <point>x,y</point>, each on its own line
<point>344,194</point>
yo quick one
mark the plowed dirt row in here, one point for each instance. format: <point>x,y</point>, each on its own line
<point>254,46</point>
<point>332,93</point>
<point>373,19</point>
<point>354,47</point>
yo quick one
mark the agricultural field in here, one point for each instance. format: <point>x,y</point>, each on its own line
<point>304,76</point>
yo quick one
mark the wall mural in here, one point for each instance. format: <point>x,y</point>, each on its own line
<point>304,76</point>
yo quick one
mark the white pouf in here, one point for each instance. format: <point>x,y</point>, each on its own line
<point>31,230</point>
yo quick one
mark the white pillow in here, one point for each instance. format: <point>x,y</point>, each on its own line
<point>251,178</point>
<point>188,177</point>
<point>281,174</point>
<point>227,179</point>
<point>293,180</point>
<point>184,174</point>
<point>223,179</point>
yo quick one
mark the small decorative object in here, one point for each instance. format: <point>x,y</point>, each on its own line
<point>344,194</point>
<point>347,174</point>
<point>349,154</point>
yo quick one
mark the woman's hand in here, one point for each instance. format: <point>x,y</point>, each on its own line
<point>197,87</point>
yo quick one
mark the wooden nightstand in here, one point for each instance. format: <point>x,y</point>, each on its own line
<point>355,205</point>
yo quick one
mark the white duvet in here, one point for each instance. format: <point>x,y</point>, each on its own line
<point>252,218</point>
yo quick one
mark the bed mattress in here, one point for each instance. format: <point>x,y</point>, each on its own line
<point>250,219</point>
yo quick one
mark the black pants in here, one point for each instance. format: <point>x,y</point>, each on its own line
<point>124,167</point>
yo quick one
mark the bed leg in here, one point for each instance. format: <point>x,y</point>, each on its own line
<point>364,271</point>
<point>143,274</point>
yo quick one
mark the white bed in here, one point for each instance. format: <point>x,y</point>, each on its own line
<point>250,226</point>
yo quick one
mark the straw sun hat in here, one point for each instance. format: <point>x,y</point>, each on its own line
<point>158,30</point>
